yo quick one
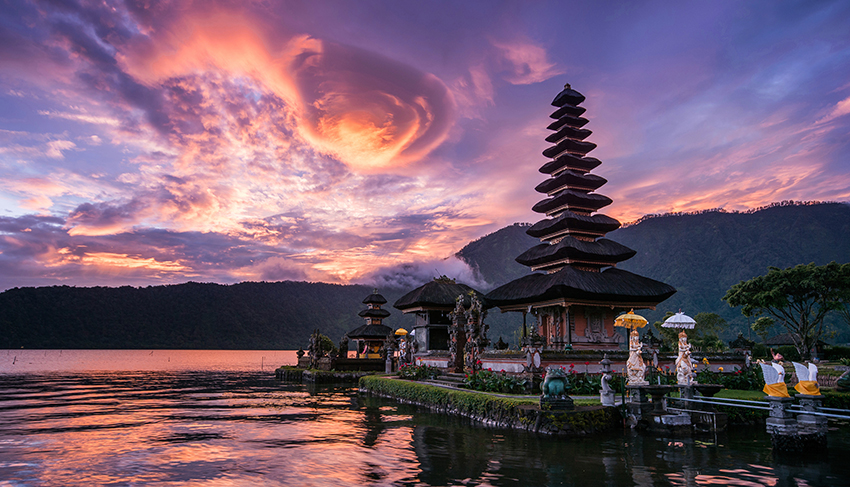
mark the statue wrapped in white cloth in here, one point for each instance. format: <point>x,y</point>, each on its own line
<point>635,368</point>
<point>684,367</point>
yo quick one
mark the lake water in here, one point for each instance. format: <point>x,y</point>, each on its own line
<point>220,418</point>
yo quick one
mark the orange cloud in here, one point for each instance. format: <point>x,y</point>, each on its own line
<point>369,112</point>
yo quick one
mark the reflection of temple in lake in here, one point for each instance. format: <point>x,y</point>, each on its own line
<point>576,289</point>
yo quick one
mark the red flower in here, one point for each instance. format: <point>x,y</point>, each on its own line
<point>572,365</point>
<point>587,363</point>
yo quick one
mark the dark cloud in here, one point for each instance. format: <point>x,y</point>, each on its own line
<point>100,215</point>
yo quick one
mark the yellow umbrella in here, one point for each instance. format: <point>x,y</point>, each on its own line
<point>401,331</point>
<point>630,320</point>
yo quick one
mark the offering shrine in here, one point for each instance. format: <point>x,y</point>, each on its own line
<point>372,336</point>
<point>575,290</point>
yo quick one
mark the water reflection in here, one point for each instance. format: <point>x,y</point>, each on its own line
<point>212,428</point>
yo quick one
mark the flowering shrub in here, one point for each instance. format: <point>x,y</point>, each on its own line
<point>489,381</point>
<point>585,384</point>
<point>418,372</point>
<point>746,380</point>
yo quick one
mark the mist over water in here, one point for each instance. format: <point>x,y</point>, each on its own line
<point>220,418</point>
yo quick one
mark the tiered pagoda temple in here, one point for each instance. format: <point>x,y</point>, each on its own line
<point>576,290</point>
<point>372,336</point>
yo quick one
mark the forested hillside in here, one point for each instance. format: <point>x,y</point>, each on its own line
<point>250,315</point>
<point>701,255</point>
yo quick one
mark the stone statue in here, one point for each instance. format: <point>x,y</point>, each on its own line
<point>554,390</point>
<point>843,383</point>
<point>457,334</point>
<point>774,379</point>
<point>807,379</point>
<point>684,368</point>
<point>555,384</point>
<point>606,394</point>
<point>635,368</point>
<point>343,346</point>
<point>315,349</point>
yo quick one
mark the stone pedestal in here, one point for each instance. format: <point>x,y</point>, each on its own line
<point>639,405</point>
<point>812,429</point>
<point>811,404</point>
<point>781,421</point>
<point>556,404</point>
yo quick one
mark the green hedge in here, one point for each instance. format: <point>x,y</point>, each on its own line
<point>468,403</point>
<point>836,352</point>
<point>517,412</point>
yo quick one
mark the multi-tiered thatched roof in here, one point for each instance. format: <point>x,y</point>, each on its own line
<point>578,264</point>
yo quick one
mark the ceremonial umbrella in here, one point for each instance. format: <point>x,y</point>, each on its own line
<point>630,320</point>
<point>401,331</point>
<point>679,320</point>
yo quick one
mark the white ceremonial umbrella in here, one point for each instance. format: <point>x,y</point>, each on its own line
<point>679,320</point>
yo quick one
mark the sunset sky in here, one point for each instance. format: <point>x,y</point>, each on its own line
<point>364,142</point>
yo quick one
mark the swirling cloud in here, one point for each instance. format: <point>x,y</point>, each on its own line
<point>365,110</point>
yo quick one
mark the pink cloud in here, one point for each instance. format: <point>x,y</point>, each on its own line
<point>526,63</point>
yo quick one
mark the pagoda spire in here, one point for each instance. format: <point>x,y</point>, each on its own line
<point>572,232</point>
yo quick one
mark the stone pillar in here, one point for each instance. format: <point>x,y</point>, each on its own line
<point>782,426</point>
<point>781,421</point>
<point>810,424</point>
<point>639,405</point>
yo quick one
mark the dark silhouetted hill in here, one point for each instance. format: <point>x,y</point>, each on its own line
<point>249,315</point>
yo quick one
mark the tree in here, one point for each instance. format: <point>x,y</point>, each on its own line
<point>797,298</point>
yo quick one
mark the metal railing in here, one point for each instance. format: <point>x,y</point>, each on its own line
<point>719,401</point>
<point>831,413</point>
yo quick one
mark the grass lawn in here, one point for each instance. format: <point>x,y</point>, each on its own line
<point>736,394</point>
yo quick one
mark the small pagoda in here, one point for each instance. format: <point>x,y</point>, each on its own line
<point>372,336</point>
<point>575,290</point>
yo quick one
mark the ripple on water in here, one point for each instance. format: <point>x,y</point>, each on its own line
<point>245,428</point>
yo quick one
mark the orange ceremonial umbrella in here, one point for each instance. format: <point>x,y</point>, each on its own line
<point>630,320</point>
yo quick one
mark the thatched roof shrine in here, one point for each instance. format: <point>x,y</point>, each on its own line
<point>370,332</point>
<point>374,313</point>
<point>440,293</point>
<point>375,298</point>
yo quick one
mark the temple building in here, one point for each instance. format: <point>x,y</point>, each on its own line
<point>433,304</point>
<point>371,336</point>
<point>575,290</point>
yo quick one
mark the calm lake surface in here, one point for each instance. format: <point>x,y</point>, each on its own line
<point>133,417</point>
